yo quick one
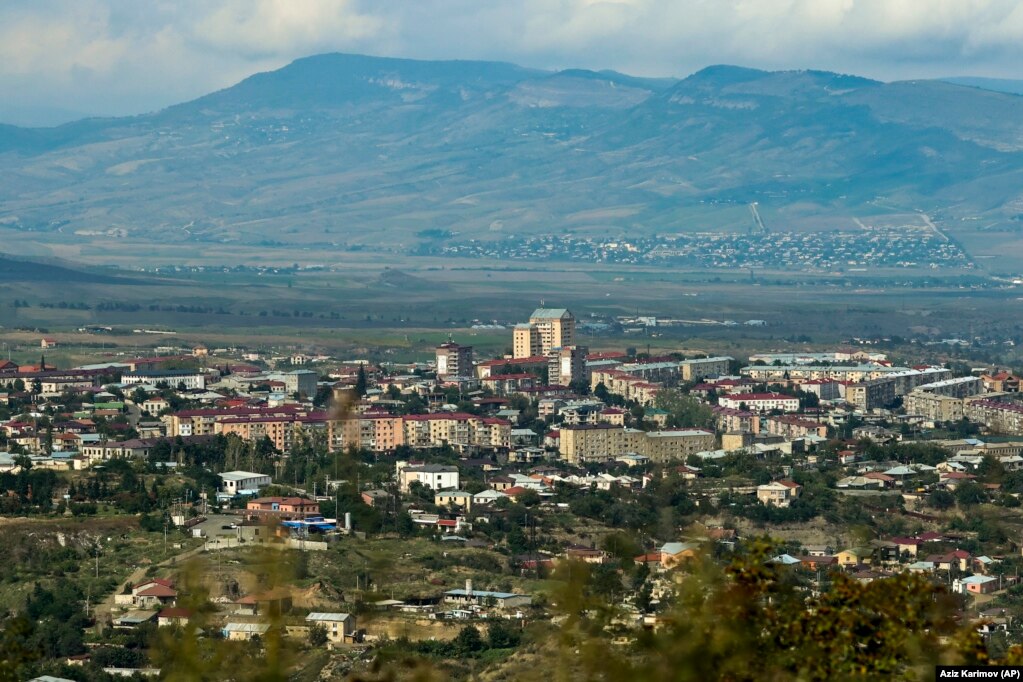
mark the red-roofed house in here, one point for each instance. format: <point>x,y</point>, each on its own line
<point>778,493</point>
<point>154,592</point>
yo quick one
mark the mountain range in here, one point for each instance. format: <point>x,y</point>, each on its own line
<point>348,151</point>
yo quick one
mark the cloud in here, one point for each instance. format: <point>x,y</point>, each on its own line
<point>123,56</point>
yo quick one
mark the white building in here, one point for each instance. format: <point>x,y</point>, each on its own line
<point>435,476</point>
<point>243,482</point>
<point>172,377</point>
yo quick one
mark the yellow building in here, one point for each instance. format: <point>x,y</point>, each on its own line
<point>548,328</point>
<point>525,341</point>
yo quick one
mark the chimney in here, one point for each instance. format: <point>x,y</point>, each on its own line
<point>468,587</point>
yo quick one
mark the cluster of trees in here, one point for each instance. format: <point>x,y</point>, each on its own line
<point>28,491</point>
<point>469,643</point>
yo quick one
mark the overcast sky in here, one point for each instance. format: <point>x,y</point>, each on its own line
<point>59,58</point>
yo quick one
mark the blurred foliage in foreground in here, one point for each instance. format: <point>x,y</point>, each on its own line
<point>752,620</point>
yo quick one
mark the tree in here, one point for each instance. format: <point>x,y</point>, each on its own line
<point>469,641</point>
<point>684,410</point>
<point>360,381</point>
<point>500,636</point>
<point>942,500</point>
<point>969,493</point>
<point>317,635</point>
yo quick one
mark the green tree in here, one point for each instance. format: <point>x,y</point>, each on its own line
<point>360,381</point>
<point>942,500</point>
<point>469,641</point>
<point>317,635</point>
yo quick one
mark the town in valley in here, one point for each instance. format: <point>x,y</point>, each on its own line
<point>360,508</point>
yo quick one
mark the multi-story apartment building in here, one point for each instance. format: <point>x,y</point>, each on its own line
<point>507,384</point>
<point>454,360</point>
<point>567,364</point>
<point>678,444</point>
<point>997,415</point>
<point>583,443</point>
<point>760,402</point>
<point>626,385</point>
<point>731,420</point>
<point>934,406</point>
<point>526,341</point>
<point>282,431</point>
<point>792,426</point>
<point>775,373</point>
<point>378,432</point>
<point>871,394</point>
<point>556,327</point>
<point>203,422</point>
<point>959,387</point>
<point>548,328</point>
<point>824,389</point>
<point>383,432</point>
<point>700,368</point>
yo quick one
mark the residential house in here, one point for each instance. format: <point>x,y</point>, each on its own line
<point>154,593</point>
<point>457,498</point>
<point>340,627</point>
<point>173,616</point>
<point>676,553</point>
<point>435,476</point>
<point>376,497</point>
<point>243,632</point>
<point>778,493</point>
<point>281,508</point>
<point>854,556</point>
<point>976,584</point>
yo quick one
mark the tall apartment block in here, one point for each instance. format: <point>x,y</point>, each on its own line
<point>454,360</point>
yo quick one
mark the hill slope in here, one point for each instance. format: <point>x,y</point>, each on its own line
<point>336,150</point>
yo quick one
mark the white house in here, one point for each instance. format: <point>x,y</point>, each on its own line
<point>435,476</point>
<point>243,482</point>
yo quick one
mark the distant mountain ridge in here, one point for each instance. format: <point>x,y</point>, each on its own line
<point>343,151</point>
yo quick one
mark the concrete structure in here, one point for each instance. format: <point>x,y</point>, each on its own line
<point>190,379</point>
<point>501,600</point>
<point>603,442</point>
<point>454,360</point>
<point>567,365</point>
<point>760,402</point>
<point>997,415</point>
<point>693,370</point>
<point>526,341</point>
<point>281,508</point>
<point>235,482</point>
<point>871,394</point>
<point>435,476</point>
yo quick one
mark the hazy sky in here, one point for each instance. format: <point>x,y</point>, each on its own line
<point>132,56</point>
